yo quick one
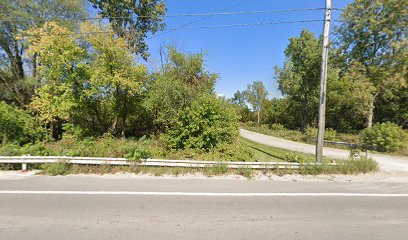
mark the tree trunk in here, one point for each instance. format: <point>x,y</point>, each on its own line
<point>38,83</point>
<point>123,126</point>
<point>370,115</point>
<point>258,116</point>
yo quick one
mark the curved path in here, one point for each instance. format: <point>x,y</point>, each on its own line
<point>387,163</point>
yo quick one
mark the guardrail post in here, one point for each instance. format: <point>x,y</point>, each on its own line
<point>24,165</point>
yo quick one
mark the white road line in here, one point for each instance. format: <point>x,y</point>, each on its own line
<point>209,194</point>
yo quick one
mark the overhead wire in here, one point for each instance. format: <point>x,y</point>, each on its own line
<point>204,16</point>
<point>206,27</point>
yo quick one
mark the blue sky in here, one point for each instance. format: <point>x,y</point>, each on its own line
<point>240,55</point>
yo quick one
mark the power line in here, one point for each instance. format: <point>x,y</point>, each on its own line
<point>221,13</point>
<point>205,27</point>
<point>198,20</point>
<point>217,13</point>
<point>254,24</point>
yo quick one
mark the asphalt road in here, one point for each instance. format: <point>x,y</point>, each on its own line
<point>388,163</point>
<point>77,207</point>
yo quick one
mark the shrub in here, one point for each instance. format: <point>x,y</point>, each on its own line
<point>232,152</point>
<point>138,154</point>
<point>217,169</point>
<point>209,122</point>
<point>72,131</point>
<point>37,149</point>
<point>361,165</point>
<point>58,168</point>
<point>251,124</point>
<point>294,157</point>
<point>277,127</point>
<point>10,149</point>
<point>17,125</point>
<point>384,137</point>
<point>246,172</point>
<point>264,127</point>
<point>311,134</point>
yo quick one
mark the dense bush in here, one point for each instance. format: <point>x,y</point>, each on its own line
<point>53,169</point>
<point>209,122</point>
<point>277,127</point>
<point>384,137</point>
<point>311,134</point>
<point>17,125</point>
<point>139,153</point>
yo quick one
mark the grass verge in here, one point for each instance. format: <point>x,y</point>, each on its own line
<point>346,167</point>
<point>263,153</point>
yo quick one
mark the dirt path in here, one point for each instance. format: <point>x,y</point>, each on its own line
<point>387,163</point>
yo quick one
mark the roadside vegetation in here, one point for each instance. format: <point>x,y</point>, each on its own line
<point>356,166</point>
<point>385,137</point>
<point>367,86</point>
<point>65,90</point>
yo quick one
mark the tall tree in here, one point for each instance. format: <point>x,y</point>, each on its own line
<point>239,98</point>
<point>60,59</point>
<point>240,102</point>
<point>183,78</point>
<point>373,33</point>
<point>256,94</point>
<point>133,19</point>
<point>299,78</point>
<point>115,79</point>
<point>17,16</point>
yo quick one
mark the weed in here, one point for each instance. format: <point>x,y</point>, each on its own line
<point>246,172</point>
<point>58,168</point>
<point>215,170</point>
<point>138,154</point>
<point>362,165</point>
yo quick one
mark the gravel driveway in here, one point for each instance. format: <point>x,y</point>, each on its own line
<point>387,163</point>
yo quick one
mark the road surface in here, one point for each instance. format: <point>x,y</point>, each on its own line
<point>94,207</point>
<point>387,163</point>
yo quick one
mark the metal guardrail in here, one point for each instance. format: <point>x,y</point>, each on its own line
<point>351,145</point>
<point>24,160</point>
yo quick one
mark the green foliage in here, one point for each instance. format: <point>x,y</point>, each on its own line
<point>294,157</point>
<point>72,131</point>
<point>355,166</point>
<point>348,99</point>
<point>246,172</point>
<point>181,80</point>
<point>54,169</point>
<point>299,78</point>
<point>36,149</point>
<point>217,169</point>
<point>278,110</point>
<point>373,34</point>
<point>277,127</point>
<point>239,101</point>
<point>138,154</point>
<point>311,134</point>
<point>316,169</point>
<point>10,149</point>
<point>17,16</point>
<point>232,152</point>
<point>209,122</point>
<point>17,125</point>
<point>93,81</point>
<point>256,95</point>
<point>385,137</point>
<point>125,20</point>
<point>116,80</point>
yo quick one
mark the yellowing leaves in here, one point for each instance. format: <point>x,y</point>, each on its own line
<point>96,66</point>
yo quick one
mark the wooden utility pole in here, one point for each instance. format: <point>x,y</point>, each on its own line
<point>323,80</point>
